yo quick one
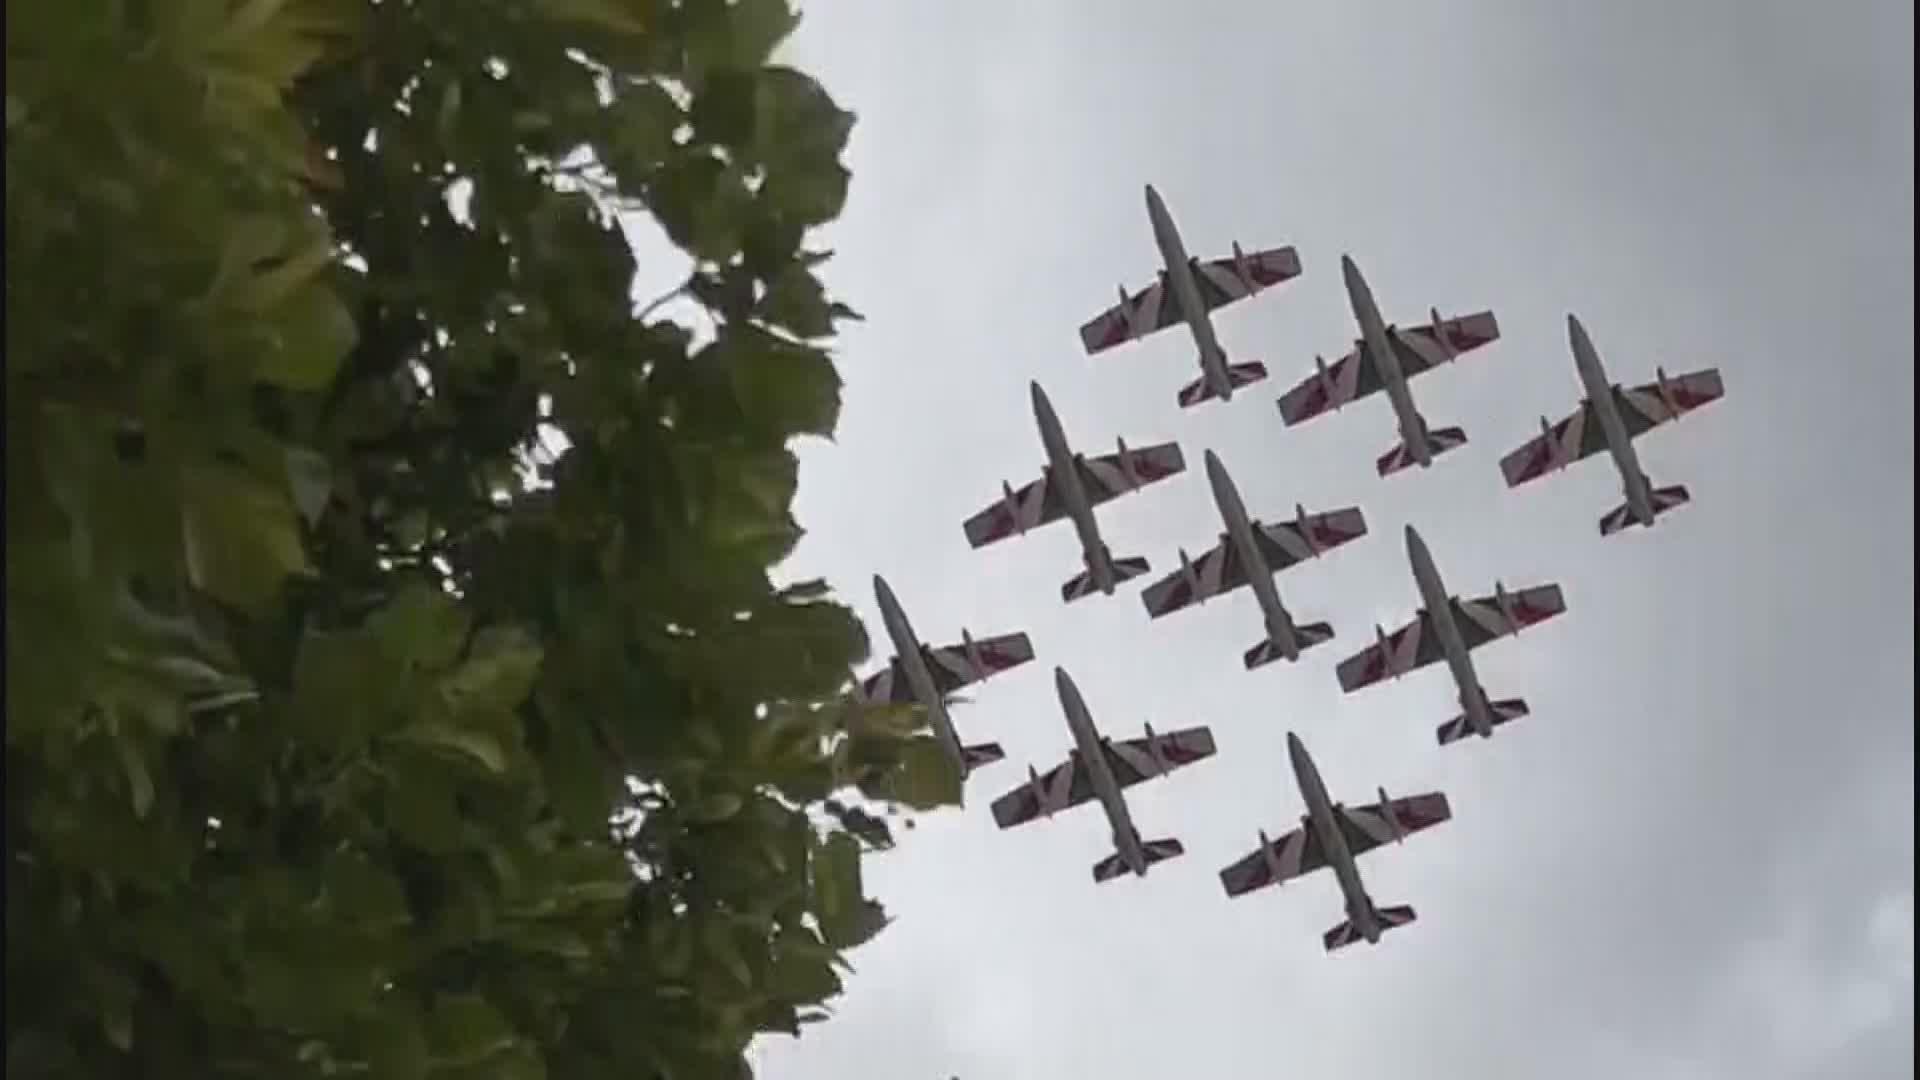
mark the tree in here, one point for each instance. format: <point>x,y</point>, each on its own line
<point>324,680</point>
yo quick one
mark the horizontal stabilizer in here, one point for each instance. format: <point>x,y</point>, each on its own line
<point>1439,441</point>
<point>1500,712</point>
<point>1305,636</point>
<point>982,754</point>
<point>1344,934</point>
<point>1156,851</point>
<point>1664,499</point>
<point>1081,583</point>
<point>1239,375</point>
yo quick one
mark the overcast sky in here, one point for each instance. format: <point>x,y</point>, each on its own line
<point>1695,858</point>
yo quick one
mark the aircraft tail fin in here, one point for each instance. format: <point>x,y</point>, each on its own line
<point>1305,636</point>
<point>1156,851</point>
<point>1439,441</point>
<point>1082,583</point>
<point>1345,933</point>
<point>1664,499</point>
<point>1238,375</point>
<point>1499,712</point>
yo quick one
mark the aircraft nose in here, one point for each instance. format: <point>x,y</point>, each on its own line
<point>880,589</point>
<point>1213,462</point>
<point>1294,745</point>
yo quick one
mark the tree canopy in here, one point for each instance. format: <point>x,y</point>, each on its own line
<point>352,728</point>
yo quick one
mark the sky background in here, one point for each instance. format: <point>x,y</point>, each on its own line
<point>1695,858</point>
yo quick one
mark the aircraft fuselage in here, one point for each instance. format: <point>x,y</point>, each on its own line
<point>1180,279</point>
<point>1090,746</point>
<point>1373,337</point>
<point>1064,474</point>
<point>913,662</point>
<point>1233,514</point>
<point>1439,605</point>
<point>1320,811</point>
<point>1600,395</point>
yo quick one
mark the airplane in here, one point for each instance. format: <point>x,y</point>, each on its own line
<point>1384,358</point>
<point>1099,768</point>
<point>1610,418</point>
<point>1250,553</point>
<point>1070,486</point>
<point>1449,628</point>
<point>918,672</point>
<point>1332,835</point>
<point>1187,291</point>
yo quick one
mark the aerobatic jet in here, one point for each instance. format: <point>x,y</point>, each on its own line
<point>1384,357</point>
<point>1070,486</point>
<point>1449,628</point>
<point>1609,419</point>
<point>1099,768</point>
<point>921,673</point>
<point>1187,292</point>
<point>1249,554</point>
<point>1332,835</point>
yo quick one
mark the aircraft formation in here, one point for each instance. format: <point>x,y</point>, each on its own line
<point>1249,553</point>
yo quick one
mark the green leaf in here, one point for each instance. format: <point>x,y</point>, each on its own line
<point>310,479</point>
<point>468,1030</point>
<point>423,625</point>
<point>310,335</point>
<point>474,746</point>
<point>499,672</point>
<point>925,779</point>
<point>139,781</point>
<point>242,538</point>
<point>758,26</point>
<point>836,875</point>
<point>615,15</point>
<point>783,388</point>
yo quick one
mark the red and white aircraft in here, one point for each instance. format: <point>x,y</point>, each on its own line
<point>1384,358</point>
<point>1610,418</point>
<point>1449,628</point>
<point>1099,768</point>
<point>1070,486</point>
<point>1332,835</point>
<point>1187,291</point>
<point>918,672</point>
<point>1249,554</point>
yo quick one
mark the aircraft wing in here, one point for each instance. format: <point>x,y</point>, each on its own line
<point>952,667</point>
<point>1221,569</point>
<point>1219,282</point>
<point>1103,478</point>
<point>1132,760</point>
<point>1419,349</point>
<point>1218,570</point>
<point>1480,620</point>
<point>1641,409</point>
<point>1650,405</point>
<point>1298,852</point>
<point>1486,618</point>
<point>1409,648</point>
<point>1577,437</point>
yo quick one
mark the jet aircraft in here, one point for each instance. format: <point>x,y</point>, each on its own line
<point>1384,358</point>
<point>1187,291</point>
<point>1070,486</point>
<point>1332,835</point>
<point>1249,554</point>
<point>1449,628</point>
<point>1610,418</point>
<point>919,672</point>
<point>1100,768</point>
